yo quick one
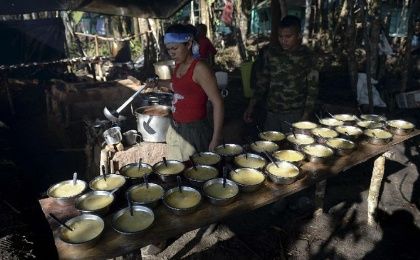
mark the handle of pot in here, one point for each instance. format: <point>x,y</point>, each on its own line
<point>130,99</point>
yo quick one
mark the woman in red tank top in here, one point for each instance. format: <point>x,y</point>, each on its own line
<point>193,84</point>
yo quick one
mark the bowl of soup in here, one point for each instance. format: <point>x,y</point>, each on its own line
<point>273,136</point>
<point>228,150</point>
<point>250,160</point>
<point>220,192</point>
<point>349,132</point>
<point>247,179</point>
<point>400,127</point>
<point>86,230</point>
<point>182,200</point>
<point>291,156</point>
<point>318,153</point>
<point>146,195</point>
<point>322,134</point>
<point>199,174</point>
<point>282,172</point>
<point>129,224</point>
<point>303,127</point>
<point>347,119</point>
<point>378,136</point>
<point>168,170</point>
<point>110,183</point>
<point>341,146</point>
<point>330,122</point>
<point>136,171</point>
<point>299,140</point>
<point>94,202</point>
<point>368,124</point>
<point>263,146</point>
<point>65,192</point>
<point>206,158</point>
<point>373,117</point>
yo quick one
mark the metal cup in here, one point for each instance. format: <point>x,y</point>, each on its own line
<point>131,137</point>
<point>113,135</point>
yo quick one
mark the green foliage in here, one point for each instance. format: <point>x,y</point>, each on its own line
<point>76,16</point>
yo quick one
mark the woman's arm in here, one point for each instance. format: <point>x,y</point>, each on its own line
<point>205,77</point>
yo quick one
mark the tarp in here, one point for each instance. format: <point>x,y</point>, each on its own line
<point>31,41</point>
<point>137,8</point>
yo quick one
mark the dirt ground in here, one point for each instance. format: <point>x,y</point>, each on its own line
<point>288,229</point>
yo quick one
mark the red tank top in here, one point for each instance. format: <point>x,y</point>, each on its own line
<point>190,100</point>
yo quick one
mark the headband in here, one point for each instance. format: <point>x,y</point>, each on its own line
<point>176,37</point>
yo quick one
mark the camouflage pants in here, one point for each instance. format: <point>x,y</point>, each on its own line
<point>276,121</point>
<point>183,139</point>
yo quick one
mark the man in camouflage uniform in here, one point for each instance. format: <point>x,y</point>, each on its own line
<point>286,77</point>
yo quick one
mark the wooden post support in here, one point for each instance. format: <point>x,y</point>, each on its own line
<point>375,186</point>
<point>320,188</point>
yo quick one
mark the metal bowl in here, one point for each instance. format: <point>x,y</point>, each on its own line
<point>303,127</point>
<point>322,134</point>
<point>373,117</point>
<point>341,146</point>
<point>91,228</point>
<point>348,119</point>
<point>247,179</point>
<point>135,172</point>
<point>282,172</point>
<point>264,146</point>
<point>330,122</point>
<point>207,158</point>
<point>378,136</point>
<point>318,153</point>
<point>199,174</point>
<point>170,171</point>
<point>62,192</point>
<point>349,132</point>
<point>112,182</point>
<point>273,136</point>
<point>214,191</point>
<point>228,151</point>
<point>369,124</point>
<point>149,197</point>
<point>95,202</point>
<point>124,223</point>
<point>250,160</point>
<point>172,198</point>
<point>291,156</point>
<point>400,127</point>
<point>299,140</point>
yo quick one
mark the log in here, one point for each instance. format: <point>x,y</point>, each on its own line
<point>375,186</point>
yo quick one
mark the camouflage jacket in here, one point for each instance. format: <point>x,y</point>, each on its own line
<point>288,80</point>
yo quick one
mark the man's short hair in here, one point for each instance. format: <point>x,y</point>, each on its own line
<point>290,21</point>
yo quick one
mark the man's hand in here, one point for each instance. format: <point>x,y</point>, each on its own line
<point>248,114</point>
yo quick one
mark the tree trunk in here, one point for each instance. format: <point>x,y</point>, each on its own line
<point>375,17</point>
<point>238,31</point>
<point>307,21</point>
<point>407,55</point>
<point>351,46</point>
<point>364,9</point>
<point>283,8</point>
<point>275,19</point>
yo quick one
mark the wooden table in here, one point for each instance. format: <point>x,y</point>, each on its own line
<point>167,225</point>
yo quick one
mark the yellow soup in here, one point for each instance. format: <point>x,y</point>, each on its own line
<point>144,195</point>
<point>283,170</point>
<point>83,230</point>
<point>95,202</point>
<point>206,159</point>
<point>249,162</point>
<point>170,168</point>
<point>216,190</point>
<point>67,190</point>
<point>202,173</point>
<point>247,177</point>
<point>288,155</point>
<point>111,183</point>
<point>138,222</point>
<point>136,172</point>
<point>183,200</point>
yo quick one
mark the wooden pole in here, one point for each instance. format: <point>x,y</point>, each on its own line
<point>375,186</point>
<point>320,188</point>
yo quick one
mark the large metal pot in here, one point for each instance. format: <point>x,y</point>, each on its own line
<point>164,68</point>
<point>153,122</point>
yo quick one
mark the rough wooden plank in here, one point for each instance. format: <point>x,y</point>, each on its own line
<point>167,225</point>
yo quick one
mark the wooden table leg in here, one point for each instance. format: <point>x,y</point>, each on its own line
<point>320,188</point>
<point>375,186</point>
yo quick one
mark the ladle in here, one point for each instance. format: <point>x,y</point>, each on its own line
<point>74,178</point>
<point>130,205</point>
<point>293,132</point>
<point>178,180</point>
<point>193,163</point>
<point>164,161</point>
<point>60,222</point>
<point>316,115</point>
<point>223,142</point>
<point>115,116</point>
<point>224,177</point>
<point>146,181</point>
<point>259,129</point>
<point>271,159</point>
<point>103,172</point>
<point>139,163</point>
